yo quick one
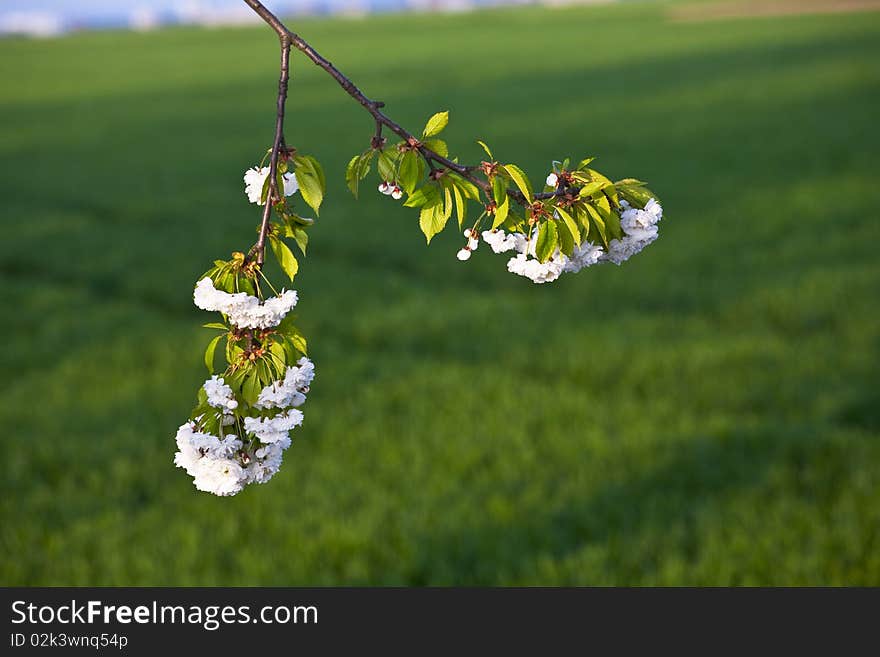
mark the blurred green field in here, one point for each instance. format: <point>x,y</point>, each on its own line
<point>709,413</point>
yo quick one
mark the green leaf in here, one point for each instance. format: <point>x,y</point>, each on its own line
<point>486,148</point>
<point>501,211</point>
<point>285,257</point>
<point>264,194</point>
<point>432,220</point>
<point>209,353</point>
<point>521,180</point>
<point>566,239</point>
<point>314,167</point>
<point>591,188</point>
<point>301,238</point>
<point>250,387</point>
<point>612,226</point>
<point>408,176</point>
<point>299,343</point>
<point>426,195</point>
<point>438,146</point>
<point>447,204</point>
<point>570,225</point>
<point>310,188</point>
<point>585,162</point>
<point>388,164</point>
<point>357,170</point>
<point>216,325</point>
<point>598,234</point>
<point>469,189</point>
<point>460,206</point>
<point>435,124</point>
<point>499,189</point>
<point>547,241</point>
<point>634,191</point>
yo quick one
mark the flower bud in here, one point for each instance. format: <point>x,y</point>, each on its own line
<point>468,232</point>
<point>396,194</point>
<point>463,254</point>
<point>552,180</point>
<point>232,404</point>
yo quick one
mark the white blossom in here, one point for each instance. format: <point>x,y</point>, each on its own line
<point>473,243</point>
<point>538,272</point>
<point>219,476</point>
<point>385,188</point>
<point>266,461</point>
<point>501,242</point>
<point>552,180</point>
<point>243,310</point>
<point>396,193</point>
<point>585,255</point>
<point>289,391</point>
<point>210,461</point>
<point>640,229</point>
<point>463,254</point>
<point>219,394</point>
<point>255,178</point>
<point>270,430</point>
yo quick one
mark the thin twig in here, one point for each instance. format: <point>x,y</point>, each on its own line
<point>274,193</point>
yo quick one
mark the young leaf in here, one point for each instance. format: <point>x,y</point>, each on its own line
<point>566,239</point>
<point>432,220</point>
<point>314,167</point>
<point>591,188</point>
<point>499,189</point>
<point>521,180</point>
<point>301,238</point>
<point>285,257</point>
<point>486,148</point>
<point>388,164</point>
<point>216,325</point>
<point>598,234</point>
<point>547,241</point>
<point>469,189</point>
<point>436,124</point>
<point>310,188</point>
<point>438,146</point>
<point>250,387</point>
<point>299,343</point>
<point>426,195</point>
<point>408,176</point>
<point>570,225</point>
<point>209,353</point>
<point>460,206</point>
<point>501,211</point>
<point>634,191</point>
<point>357,170</point>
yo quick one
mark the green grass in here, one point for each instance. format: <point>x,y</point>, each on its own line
<point>706,414</point>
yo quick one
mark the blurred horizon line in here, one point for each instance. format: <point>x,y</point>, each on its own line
<point>45,18</point>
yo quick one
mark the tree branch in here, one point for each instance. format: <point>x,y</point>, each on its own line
<point>277,144</point>
<point>373,107</point>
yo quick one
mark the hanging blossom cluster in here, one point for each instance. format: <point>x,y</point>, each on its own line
<point>242,425</point>
<point>246,449</point>
<point>639,228</point>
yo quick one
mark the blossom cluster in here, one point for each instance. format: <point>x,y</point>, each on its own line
<point>390,189</point>
<point>639,228</point>
<point>243,310</point>
<point>253,449</point>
